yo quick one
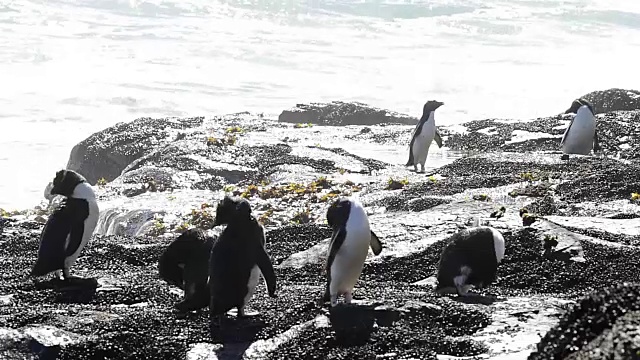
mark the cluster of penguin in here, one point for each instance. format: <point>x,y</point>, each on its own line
<point>223,273</point>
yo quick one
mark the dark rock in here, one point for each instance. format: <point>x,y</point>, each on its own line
<point>622,341</point>
<point>613,100</point>
<point>106,153</point>
<point>372,164</point>
<point>341,113</point>
<point>596,327</point>
<point>213,183</point>
<point>424,203</point>
<point>532,190</point>
<point>294,238</point>
<point>352,323</point>
<point>619,133</point>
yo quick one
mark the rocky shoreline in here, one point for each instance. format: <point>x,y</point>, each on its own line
<point>156,177</point>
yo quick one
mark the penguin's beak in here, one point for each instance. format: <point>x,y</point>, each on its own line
<point>568,111</point>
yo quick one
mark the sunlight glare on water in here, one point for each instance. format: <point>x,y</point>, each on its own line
<point>74,67</point>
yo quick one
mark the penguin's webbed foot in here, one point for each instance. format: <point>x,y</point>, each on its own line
<point>334,300</point>
<point>348,297</point>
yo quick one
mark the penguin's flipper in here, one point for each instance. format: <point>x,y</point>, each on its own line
<point>376,245</point>
<point>264,263</point>
<point>566,132</point>
<point>413,139</point>
<point>596,142</point>
<point>438,139</point>
<point>334,246</point>
<point>80,210</point>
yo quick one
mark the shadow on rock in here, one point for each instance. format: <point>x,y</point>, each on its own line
<point>236,335</point>
<point>352,323</point>
<point>75,290</point>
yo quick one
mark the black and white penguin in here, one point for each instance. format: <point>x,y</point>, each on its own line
<point>185,264</point>
<point>70,227</point>
<point>424,133</point>
<point>350,242</point>
<point>238,259</point>
<point>581,135</point>
<point>470,258</point>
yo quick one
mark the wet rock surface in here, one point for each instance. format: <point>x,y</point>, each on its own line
<point>106,153</point>
<point>602,325</point>
<point>170,181</point>
<point>614,99</point>
<point>341,113</point>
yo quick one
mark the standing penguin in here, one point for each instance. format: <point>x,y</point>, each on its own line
<point>424,133</point>
<point>348,248</point>
<point>185,264</point>
<point>581,135</point>
<point>238,258</point>
<point>471,257</point>
<point>69,228</point>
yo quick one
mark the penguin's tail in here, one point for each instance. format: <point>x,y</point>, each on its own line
<point>410,162</point>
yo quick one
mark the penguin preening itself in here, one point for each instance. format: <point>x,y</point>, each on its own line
<point>238,258</point>
<point>470,258</point>
<point>350,242</point>
<point>581,135</point>
<point>185,264</point>
<point>69,227</point>
<point>423,134</point>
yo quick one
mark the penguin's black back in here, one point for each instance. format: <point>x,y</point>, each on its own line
<point>473,248</point>
<point>67,220</point>
<point>233,256</point>
<point>191,249</point>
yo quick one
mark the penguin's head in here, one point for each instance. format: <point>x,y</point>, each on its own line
<point>231,209</point>
<point>65,182</point>
<point>577,104</point>
<point>338,213</point>
<point>430,106</point>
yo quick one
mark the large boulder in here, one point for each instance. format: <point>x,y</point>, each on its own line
<point>343,113</point>
<point>596,327</point>
<point>613,100</point>
<point>106,153</point>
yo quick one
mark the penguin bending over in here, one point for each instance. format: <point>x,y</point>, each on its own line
<point>185,264</point>
<point>69,228</point>
<point>470,258</point>
<point>581,136</point>
<point>351,239</point>
<point>423,134</point>
<point>238,259</point>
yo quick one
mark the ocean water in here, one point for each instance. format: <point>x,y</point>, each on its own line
<point>73,67</point>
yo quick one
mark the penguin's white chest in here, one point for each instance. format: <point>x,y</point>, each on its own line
<point>349,260</point>
<point>423,140</point>
<point>254,278</point>
<point>89,226</point>
<point>579,136</point>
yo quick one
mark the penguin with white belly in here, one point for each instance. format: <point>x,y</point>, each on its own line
<point>238,259</point>
<point>470,258</point>
<point>350,242</point>
<point>69,227</point>
<point>424,133</point>
<point>581,136</point>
